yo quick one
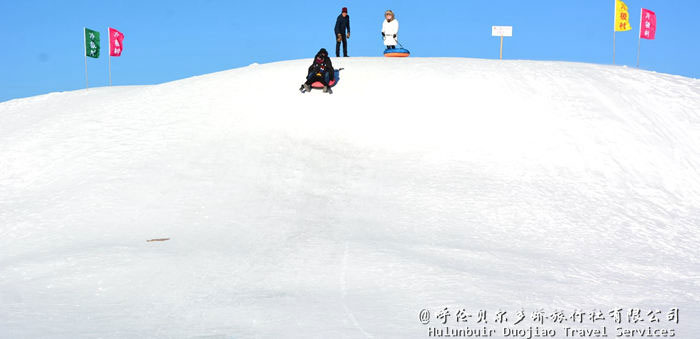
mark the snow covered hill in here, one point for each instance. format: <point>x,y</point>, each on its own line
<point>421,183</point>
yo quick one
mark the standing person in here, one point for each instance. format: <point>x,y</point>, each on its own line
<point>341,25</point>
<point>390,30</point>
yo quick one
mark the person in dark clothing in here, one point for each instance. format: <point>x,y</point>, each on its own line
<point>321,70</point>
<point>341,25</point>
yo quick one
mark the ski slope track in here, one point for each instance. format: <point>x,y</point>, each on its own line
<point>421,183</point>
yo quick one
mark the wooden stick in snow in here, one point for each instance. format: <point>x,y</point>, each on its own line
<point>158,239</point>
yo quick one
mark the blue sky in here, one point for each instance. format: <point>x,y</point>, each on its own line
<point>42,44</point>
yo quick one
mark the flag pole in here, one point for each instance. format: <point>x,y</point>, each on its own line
<point>613,46</point>
<point>85,54</point>
<point>614,18</point>
<point>639,42</point>
<point>109,57</point>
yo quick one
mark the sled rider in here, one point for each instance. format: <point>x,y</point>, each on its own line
<point>321,70</point>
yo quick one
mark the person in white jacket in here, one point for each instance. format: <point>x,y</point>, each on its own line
<point>390,30</point>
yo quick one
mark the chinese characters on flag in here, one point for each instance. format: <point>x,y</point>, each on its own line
<point>92,43</point>
<point>116,39</point>
<point>622,17</point>
<point>648,28</point>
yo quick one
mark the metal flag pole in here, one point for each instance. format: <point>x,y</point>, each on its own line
<point>109,56</point>
<point>614,20</point>
<point>85,54</point>
<point>639,42</point>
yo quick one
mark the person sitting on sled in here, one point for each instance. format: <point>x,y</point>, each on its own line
<point>321,70</point>
<point>390,30</point>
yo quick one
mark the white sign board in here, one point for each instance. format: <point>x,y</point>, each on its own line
<point>502,31</point>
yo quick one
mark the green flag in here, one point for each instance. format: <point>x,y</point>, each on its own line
<point>92,43</point>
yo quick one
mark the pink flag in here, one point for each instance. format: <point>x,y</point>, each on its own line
<point>116,39</point>
<point>648,28</point>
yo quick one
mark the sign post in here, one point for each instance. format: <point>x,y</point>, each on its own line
<point>502,31</point>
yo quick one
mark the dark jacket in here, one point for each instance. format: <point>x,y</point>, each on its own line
<point>325,67</point>
<point>341,24</point>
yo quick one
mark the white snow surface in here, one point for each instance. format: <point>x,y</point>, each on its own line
<point>484,184</point>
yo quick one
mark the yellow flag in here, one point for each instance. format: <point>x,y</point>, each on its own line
<point>622,17</point>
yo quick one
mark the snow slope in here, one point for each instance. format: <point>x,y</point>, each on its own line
<point>421,183</point>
